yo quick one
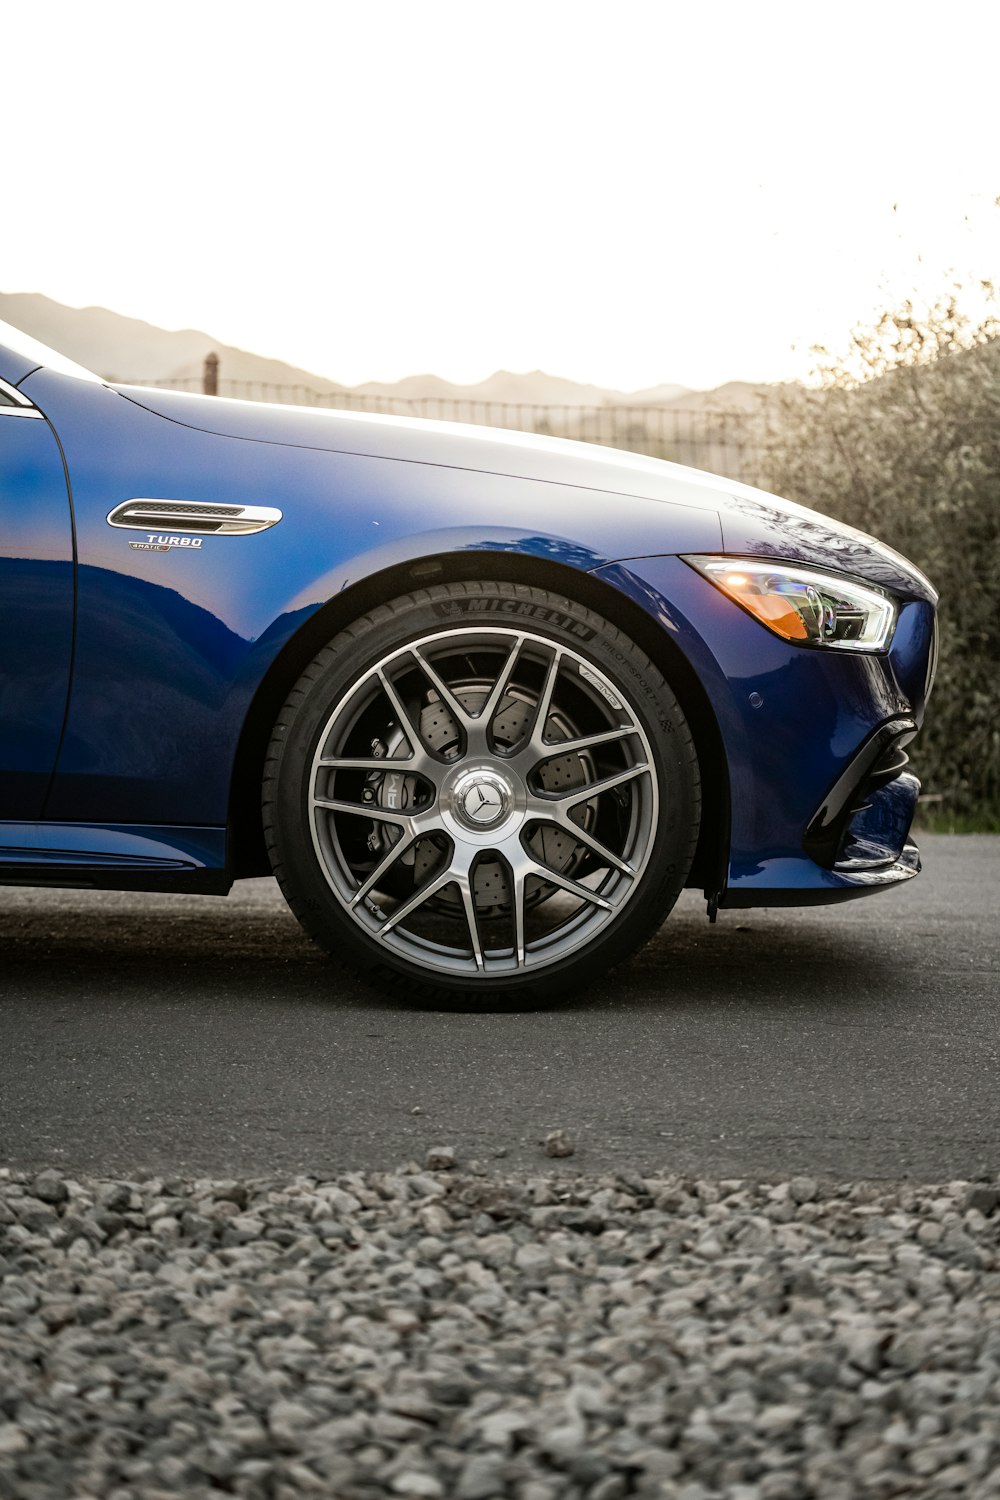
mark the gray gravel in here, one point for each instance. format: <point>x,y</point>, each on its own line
<point>457,1333</point>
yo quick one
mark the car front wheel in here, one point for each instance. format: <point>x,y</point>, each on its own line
<point>482,792</point>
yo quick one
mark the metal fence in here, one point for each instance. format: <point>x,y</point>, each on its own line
<point>721,440</point>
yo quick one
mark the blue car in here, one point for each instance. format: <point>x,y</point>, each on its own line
<point>484,703</point>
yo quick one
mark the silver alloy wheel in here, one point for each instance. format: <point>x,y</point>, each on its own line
<point>483,801</point>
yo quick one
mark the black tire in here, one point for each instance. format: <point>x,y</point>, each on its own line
<point>588,848</point>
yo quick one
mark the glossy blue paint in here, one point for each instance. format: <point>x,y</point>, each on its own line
<point>36,611</point>
<point>172,646</point>
<point>108,848</point>
<point>15,364</point>
<point>787,885</point>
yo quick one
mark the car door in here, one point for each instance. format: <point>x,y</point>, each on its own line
<point>36,605</point>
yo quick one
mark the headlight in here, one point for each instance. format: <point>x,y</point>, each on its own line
<point>804,605</point>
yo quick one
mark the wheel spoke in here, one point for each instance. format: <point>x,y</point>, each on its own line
<point>584,794</point>
<point>566,825</point>
<point>518,880</point>
<point>398,849</point>
<point>448,698</point>
<point>426,891</point>
<point>363,762</point>
<point>587,741</point>
<point>553,877</point>
<point>469,902</point>
<point>537,730</point>
<point>402,713</point>
<point>488,713</point>
<point>366,810</point>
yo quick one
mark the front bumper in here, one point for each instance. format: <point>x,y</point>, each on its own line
<point>819,800</point>
<point>874,852</point>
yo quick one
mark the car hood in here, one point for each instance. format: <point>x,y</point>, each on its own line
<point>754,523</point>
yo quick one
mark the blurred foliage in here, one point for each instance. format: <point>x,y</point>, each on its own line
<point>901,438</point>
<point>930,819</point>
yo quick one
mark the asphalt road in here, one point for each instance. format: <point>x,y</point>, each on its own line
<point>206,1036</point>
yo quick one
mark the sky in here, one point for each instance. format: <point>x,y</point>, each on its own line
<point>625,193</point>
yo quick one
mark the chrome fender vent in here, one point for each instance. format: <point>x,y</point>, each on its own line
<point>193,516</point>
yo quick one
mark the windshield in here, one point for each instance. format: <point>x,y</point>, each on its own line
<point>41,354</point>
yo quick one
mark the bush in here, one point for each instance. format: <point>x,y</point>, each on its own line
<point>902,439</point>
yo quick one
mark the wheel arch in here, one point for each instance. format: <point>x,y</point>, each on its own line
<point>248,855</point>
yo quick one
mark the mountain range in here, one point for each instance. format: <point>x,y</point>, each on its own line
<point>128,350</point>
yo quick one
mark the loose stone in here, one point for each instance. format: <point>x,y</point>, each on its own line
<point>440,1159</point>
<point>558,1143</point>
<point>447,1332</point>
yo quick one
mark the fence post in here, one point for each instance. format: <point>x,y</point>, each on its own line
<point>210,378</point>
